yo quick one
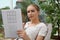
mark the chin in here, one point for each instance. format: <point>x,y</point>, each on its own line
<point>31,19</point>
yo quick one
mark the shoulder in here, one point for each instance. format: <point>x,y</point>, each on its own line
<point>43,29</point>
<point>26,25</point>
<point>42,24</point>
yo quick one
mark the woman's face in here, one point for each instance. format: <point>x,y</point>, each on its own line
<point>32,12</point>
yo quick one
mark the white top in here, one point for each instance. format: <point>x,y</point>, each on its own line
<point>32,32</point>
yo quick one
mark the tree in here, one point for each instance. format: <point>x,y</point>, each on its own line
<point>52,9</point>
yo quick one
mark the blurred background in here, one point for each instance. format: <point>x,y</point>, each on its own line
<point>49,10</point>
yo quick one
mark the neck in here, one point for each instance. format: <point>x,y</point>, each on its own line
<point>35,21</point>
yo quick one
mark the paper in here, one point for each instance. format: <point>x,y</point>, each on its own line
<point>12,20</point>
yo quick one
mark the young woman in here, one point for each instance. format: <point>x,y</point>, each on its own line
<point>34,29</point>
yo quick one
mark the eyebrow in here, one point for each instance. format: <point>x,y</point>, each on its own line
<point>30,10</point>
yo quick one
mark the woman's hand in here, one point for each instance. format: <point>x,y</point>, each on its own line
<point>22,34</point>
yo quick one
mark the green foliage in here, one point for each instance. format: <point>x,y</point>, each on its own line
<point>4,8</point>
<point>0,20</point>
<point>24,5</point>
<point>52,10</point>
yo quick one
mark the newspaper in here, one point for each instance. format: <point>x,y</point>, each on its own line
<point>12,21</point>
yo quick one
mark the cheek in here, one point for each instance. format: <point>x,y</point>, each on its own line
<point>36,14</point>
<point>28,15</point>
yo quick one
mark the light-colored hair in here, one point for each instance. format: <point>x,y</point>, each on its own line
<point>36,7</point>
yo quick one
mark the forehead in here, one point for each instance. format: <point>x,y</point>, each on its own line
<point>31,7</point>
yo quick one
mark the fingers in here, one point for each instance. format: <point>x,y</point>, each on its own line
<point>20,33</point>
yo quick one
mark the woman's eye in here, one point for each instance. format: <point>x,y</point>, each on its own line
<point>28,11</point>
<point>32,10</point>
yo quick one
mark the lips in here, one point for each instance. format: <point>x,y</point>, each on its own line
<point>30,16</point>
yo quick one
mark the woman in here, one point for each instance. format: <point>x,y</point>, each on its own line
<point>34,29</point>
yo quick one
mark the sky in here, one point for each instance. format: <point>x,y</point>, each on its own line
<point>5,3</point>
